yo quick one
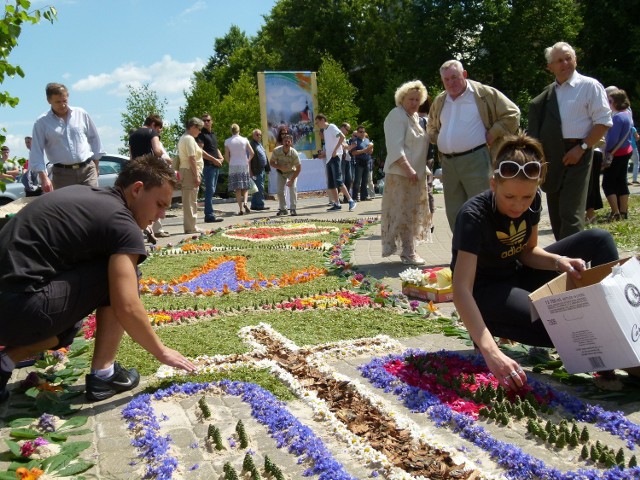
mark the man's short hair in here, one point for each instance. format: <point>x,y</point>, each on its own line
<point>28,137</point>
<point>56,89</point>
<point>346,125</point>
<point>321,116</point>
<point>152,171</point>
<point>205,115</point>
<point>452,63</point>
<point>361,127</point>
<point>153,119</point>
<point>548,52</point>
<point>407,87</point>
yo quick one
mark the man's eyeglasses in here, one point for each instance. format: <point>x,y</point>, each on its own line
<point>510,169</point>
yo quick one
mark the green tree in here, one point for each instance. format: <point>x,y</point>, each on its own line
<point>203,97</point>
<point>336,94</point>
<point>241,105</point>
<point>16,14</point>
<point>141,103</point>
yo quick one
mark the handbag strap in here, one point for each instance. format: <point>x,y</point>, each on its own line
<point>622,140</point>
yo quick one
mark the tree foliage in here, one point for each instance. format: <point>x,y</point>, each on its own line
<point>336,94</point>
<point>141,103</point>
<point>16,14</point>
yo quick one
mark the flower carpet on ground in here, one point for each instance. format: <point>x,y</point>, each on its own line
<point>277,310</point>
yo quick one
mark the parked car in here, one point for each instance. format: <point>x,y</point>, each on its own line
<point>110,166</point>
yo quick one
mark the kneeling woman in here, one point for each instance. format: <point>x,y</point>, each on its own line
<point>497,261</point>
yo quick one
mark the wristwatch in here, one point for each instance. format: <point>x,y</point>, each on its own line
<point>584,146</point>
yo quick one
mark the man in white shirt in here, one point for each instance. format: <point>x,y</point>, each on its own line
<point>465,122</point>
<point>69,138</point>
<point>569,117</point>
<point>333,140</point>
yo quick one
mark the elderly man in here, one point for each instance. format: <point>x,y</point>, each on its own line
<point>569,117</point>
<point>465,121</point>
<point>286,160</point>
<point>74,251</point>
<point>69,138</point>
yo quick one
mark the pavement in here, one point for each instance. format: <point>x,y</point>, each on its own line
<point>110,440</point>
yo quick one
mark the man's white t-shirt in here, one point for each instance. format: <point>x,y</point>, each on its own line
<point>332,136</point>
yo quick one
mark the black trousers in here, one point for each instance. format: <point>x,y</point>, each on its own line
<point>505,304</point>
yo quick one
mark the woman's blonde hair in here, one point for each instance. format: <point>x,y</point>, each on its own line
<point>235,128</point>
<point>521,149</point>
<point>407,87</point>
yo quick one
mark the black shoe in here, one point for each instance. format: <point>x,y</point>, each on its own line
<point>294,213</point>
<point>213,220</point>
<point>151,238</point>
<point>4,379</point>
<point>122,380</point>
<point>260,208</point>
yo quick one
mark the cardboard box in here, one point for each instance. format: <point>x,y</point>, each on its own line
<point>594,322</point>
<point>428,293</point>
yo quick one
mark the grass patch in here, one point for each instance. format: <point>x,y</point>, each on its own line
<point>626,233</point>
<point>263,378</point>
<point>309,327</point>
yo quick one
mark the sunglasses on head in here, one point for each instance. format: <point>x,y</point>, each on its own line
<point>510,169</point>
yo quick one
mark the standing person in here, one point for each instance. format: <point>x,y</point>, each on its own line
<point>618,145</point>
<point>143,140</point>
<point>569,117</point>
<point>238,152</point>
<point>286,161</point>
<point>465,121</point>
<point>259,167</point>
<point>362,152</point>
<point>30,178</point>
<point>74,251</point>
<point>497,261</point>
<point>212,162</point>
<point>333,141</point>
<point>346,164</point>
<point>71,141</point>
<point>406,217</point>
<point>191,166</point>
<point>9,169</point>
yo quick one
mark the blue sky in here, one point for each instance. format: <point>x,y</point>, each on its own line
<point>97,48</point>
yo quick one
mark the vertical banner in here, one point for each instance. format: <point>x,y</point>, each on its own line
<point>290,100</point>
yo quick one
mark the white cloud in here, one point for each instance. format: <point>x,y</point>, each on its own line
<point>166,77</point>
<point>199,5</point>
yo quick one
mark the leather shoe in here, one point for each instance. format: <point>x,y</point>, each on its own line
<point>122,380</point>
<point>213,220</point>
<point>261,208</point>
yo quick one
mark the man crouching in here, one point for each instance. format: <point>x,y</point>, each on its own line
<point>76,250</point>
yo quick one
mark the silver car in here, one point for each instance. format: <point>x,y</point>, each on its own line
<point>110,166</point>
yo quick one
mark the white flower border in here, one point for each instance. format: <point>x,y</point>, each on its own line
<point>289,226</point>
<point>360,449</point>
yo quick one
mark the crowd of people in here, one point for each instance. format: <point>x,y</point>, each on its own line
<point>76,249</point>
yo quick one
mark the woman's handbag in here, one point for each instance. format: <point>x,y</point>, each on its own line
<point>253,188</point>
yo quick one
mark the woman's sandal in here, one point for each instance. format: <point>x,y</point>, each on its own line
<point>246,209</point>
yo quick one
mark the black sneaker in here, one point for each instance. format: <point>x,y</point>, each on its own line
<point>4,379</point>
<point>122,380</point>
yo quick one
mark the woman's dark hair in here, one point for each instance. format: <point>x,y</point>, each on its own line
<point>521,149</point>
<point>152,171</point>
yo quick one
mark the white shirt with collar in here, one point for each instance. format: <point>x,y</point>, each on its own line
<point>583,103</point>
<point>461,126</point>
<point>71,140</point>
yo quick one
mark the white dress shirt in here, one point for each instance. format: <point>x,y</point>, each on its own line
<point>71,140</point>
<point>583,103</point>
<point>461,125</point>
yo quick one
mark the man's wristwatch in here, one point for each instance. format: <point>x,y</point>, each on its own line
<point>584,146</point>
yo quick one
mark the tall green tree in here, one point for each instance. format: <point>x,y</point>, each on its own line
<point>609,44</point>
<point>336,94</point>
<point>16,14</point>
<point>203,97</point>
<point>241,105</point>
<point>142,102</point>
